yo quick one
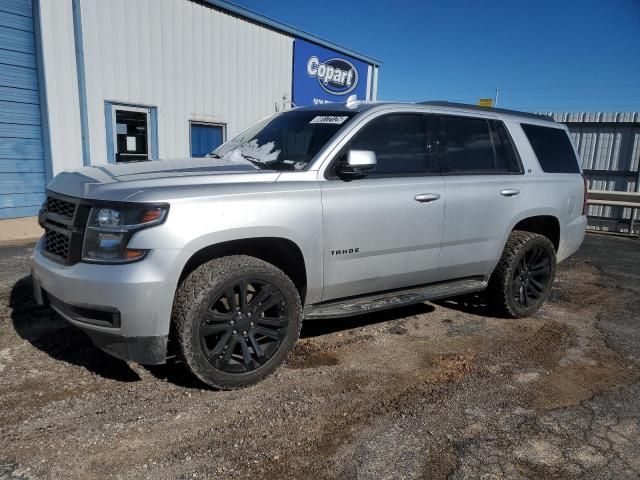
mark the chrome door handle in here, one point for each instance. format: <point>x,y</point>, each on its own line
<point>426,197</point>
<point>510,192</point>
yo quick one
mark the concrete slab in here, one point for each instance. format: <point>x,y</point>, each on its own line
<point>15,231</point>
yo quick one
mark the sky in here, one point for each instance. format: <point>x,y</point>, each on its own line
<point>542,55</point>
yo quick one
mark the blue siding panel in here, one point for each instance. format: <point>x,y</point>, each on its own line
<point>20,211</point>
<point>12,165</point>
<point>16,200</point>
<point>15,130</point>
<point>17,7</point>
<point>18,77</point>
<point>21,95</point>
<point>18,183</point>
<point>19,22</point>
<point>22,169</point>
<point>25,148</point>
<point>20,113</point>
<point>19,59</point>
<point>17,40</point>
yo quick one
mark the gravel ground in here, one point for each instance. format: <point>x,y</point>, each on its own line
<point>432,391</point>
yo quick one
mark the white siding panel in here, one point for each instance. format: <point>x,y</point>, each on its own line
<point>96,81</point>
<point>61,82</point>
<point>190,61</point>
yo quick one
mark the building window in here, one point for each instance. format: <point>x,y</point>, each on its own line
<point>131,133</point>
<point>205,137</point>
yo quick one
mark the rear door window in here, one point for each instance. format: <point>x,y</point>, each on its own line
<point>468,145</point>
<point>553,149</point>
<point>506,158</point>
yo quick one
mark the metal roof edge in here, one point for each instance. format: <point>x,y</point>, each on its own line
<point>285,28</point>
<point>478,108</point>
<point>595,117</point>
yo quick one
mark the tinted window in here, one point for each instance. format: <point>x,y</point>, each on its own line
<point>553,149</point>
<point>399,141</point>
<point>468,145</point>
<point>506,159</point>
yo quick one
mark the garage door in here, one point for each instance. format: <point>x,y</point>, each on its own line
<point>22,177</point>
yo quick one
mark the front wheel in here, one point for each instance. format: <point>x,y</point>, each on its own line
<point>236,318</point>
<point>522,280</point>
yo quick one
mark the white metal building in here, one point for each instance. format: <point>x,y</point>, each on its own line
<point>88,82</point>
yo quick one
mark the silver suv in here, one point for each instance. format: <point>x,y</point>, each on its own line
<point>314,213</point>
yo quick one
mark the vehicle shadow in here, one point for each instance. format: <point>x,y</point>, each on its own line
<point>315,328</point>
<point>473,304</point>
<point>48,332</point>
<point>176,373</point>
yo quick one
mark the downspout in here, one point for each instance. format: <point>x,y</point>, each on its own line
<point>42,91</point>
<point>82,82</point>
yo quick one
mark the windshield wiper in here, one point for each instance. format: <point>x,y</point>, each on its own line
<point>255,161</point>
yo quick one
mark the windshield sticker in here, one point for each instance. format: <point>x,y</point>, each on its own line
<point>329,119</point>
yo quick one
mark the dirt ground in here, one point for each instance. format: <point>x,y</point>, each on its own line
<point>432,391</point>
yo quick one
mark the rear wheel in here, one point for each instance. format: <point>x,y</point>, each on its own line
<point>522,280</point>
<point>236,318</point>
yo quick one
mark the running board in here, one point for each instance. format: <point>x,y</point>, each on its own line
<point>396,298</point>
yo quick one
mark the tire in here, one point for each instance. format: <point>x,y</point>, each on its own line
<point>229,343</point>
<point>523,278</point>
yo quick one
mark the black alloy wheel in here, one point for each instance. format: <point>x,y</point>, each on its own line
<point>523,277</point>
<point>244,326</point>
<point>532,276</point>
<point>236,319</point>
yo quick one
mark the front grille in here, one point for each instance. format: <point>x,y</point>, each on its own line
<point>60,207</point>
<point>64,221</point>
<point>56,243</point>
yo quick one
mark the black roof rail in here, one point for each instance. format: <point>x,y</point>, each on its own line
<point>441,103</point>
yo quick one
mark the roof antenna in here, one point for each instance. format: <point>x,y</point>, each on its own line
<point>352,101</point>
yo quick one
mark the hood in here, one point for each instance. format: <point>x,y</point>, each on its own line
<point>121,181</point>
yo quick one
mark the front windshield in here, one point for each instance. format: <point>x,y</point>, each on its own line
<point>287,141</point>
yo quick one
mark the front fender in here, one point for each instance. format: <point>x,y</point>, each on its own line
<point>196,224</point>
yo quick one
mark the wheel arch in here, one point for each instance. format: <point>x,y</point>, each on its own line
<point>546,225</point>
<point>278,251</point>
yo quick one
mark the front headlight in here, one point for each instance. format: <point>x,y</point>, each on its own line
<point>110,229</point>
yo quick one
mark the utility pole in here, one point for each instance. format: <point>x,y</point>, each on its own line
<point>495,102</point>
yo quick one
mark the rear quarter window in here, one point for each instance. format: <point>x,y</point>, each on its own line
<point>553,148</point>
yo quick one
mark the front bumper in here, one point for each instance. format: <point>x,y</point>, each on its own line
<point>125,309</point>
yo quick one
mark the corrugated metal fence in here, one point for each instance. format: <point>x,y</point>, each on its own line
<point>609,146</point>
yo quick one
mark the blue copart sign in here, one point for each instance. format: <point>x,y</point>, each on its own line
<point>321,75</point>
